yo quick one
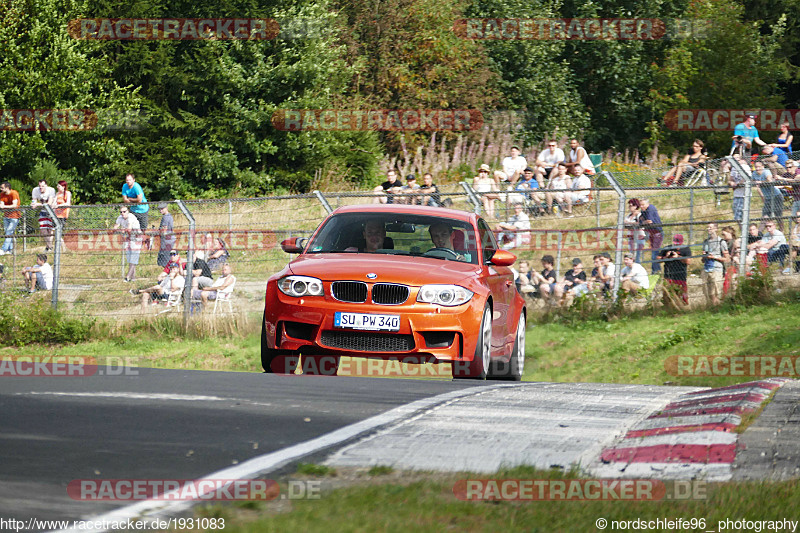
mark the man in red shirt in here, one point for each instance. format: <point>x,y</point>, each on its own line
<point>9,202</point>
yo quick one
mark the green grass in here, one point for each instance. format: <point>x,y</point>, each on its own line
<point>430,505</point>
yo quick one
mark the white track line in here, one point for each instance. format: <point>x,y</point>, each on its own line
<point>252,468</point>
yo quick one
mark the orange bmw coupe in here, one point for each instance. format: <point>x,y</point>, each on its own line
<point>411,283</point>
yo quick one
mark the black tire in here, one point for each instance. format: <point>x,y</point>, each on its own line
<point>276,361</point>
<point>512,369</point>
<point>478,367</point>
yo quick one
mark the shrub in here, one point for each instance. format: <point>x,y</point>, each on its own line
<point>31,320</point>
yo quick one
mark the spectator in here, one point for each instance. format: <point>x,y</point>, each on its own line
<point>573,284</point>
<point>561,183</point>
<point>524,188</point>
<point>736,182</point>
<point>218,256</point>
<point>581,187</point>
<point>715,255</point>
<point>753,234</point>
<point>429,191</point>
<point>408,192</point>
<point>63,201</point>
<point>166,231</point>
<point>690,163</point>
<point>385,191</point>
<point>487,189</point>
<point>794,237</point>
<point>168,285</point>
<point>774,158</point>
<point>40,196</point>
<point>201,273</point>
<point>633,276</point>
<point>547,160</point>
<point>785,139</point>
<point>728,234</point>
<point>675,259</point>
<point>744,135</point>
<point>651,222</point>
<point>595,279</point>
<point>792,178</point>
<point>636,238</point>
<point>514,164</point>
<point>546,280</point>
<point>128,224</point>
<point>174,261</point>
<point>607,273</point>
<point>578,156</point>
<point>515,232</point>
<point>773,244</point>
<point>9,202</point>
<point>773,199</point>
<point>220,284</point>
<point>39,276</point>
<point>523,281</point>
<point>133,195</point>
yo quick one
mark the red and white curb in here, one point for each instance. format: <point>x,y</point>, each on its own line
<point>692,437</point>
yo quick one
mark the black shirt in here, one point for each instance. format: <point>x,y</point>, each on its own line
<point>200,264</point>
<point>751,239</point>
<point>674,268</point>
<point>571,276</point>
<point>549,275</point>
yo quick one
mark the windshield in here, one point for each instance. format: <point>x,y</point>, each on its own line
<point>397,234</point>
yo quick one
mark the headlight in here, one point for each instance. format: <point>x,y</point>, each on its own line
<point>449,295</point>
<point>300,286</point>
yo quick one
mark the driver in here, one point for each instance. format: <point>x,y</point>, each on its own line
<point>441,235</point>
<point>374,235</point>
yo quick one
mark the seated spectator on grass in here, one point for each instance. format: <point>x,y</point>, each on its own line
<point>513,165</point>
<point>594,281</point>
<point>523,281</point>
<point>429,192</point>
<point>578,156</point>
<point>547,160</point>
<point>774,158</point>
<point>581,187</point>
<point>633,276</point>
<point>791,178</point>
<point>39,276</point>
<point>524,190</point>
<point>546,280</point>
<point>794,239</point>
<point>715,255</point>
<point>385,191</point>
<point>773,244</point>
<point>220,284</point>
<point>690,163</point>
<point>676,261</point>
<point>558,187</point>
<point>219,255</point>
<point>573,284</point>
<point>408,192</point>
<point>607,273</point>
<point>201,273</point>
<point>174,261</point>
<point>753,234</point>
<point>170,284</point>
<point>486,187</point>
<point>515,232</point>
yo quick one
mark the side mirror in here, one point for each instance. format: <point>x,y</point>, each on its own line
<point>503,258</point>
<point>294,245</point>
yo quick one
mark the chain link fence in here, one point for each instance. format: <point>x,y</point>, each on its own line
<point>91,259</point>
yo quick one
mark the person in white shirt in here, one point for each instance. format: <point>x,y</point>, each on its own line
<point>39,276</point>
<point>578,156</point>
<point>129,225</point>
<point>547,160</point>
<point>581,186</point>
<point>633,276</point>
<point>221,284</point>
<point>40,196</point>
<point>514,164</point>
<point>560,182</point>
<point>514,233</point>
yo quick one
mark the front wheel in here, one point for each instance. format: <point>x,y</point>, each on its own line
<point>512,369</point>
<point>477,368</point>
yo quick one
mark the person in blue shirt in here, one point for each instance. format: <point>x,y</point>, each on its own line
<point>650,221</point>
<point>745,134</point>
<point>785,138</point>
<point>775,158</point>
<point>133,196</point>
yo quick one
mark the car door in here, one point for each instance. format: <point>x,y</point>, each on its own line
<point>501,284</point>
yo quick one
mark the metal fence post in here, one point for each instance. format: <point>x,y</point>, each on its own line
<point>187,288</point>
<point>59,230</point>
<point>230,215</point>
<point>691,214</point>
<point>473,198</point>
<point>620,229</point>
<point>323,201</point>
<point>24,230</point>
<point>748,194</point>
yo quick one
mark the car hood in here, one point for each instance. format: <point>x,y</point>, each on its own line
<point>388,268</point>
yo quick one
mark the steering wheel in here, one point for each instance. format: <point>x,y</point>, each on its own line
<point>434,252</point>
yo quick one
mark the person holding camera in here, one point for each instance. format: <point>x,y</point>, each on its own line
<point>744,135</point>
<point>715,255</point>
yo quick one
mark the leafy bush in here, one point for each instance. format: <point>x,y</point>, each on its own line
<point>31,320</point>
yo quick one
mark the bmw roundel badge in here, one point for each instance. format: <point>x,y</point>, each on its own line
<point>372,275</point>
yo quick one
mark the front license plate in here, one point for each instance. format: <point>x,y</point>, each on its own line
<point>367,321</point>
